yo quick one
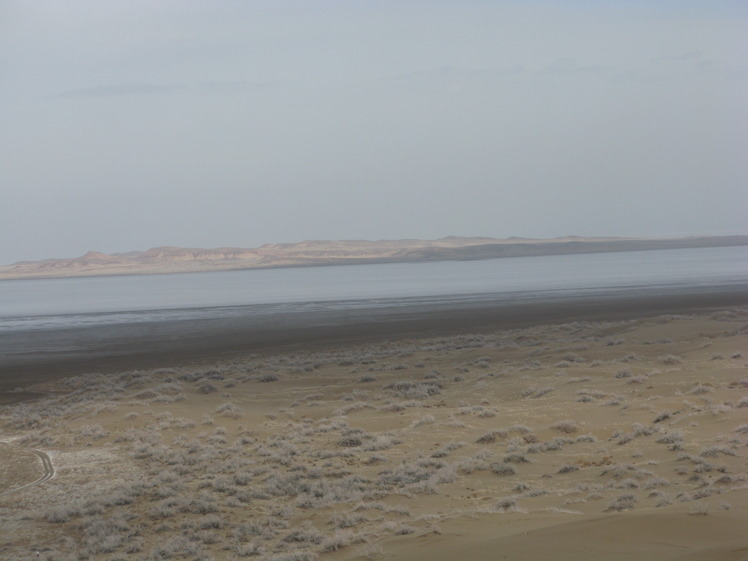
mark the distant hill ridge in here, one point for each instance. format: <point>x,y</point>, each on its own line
<point>160,260</point>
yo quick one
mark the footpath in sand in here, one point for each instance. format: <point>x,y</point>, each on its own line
<point>588,440</point>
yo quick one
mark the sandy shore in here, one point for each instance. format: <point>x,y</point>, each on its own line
<point>608,427</point>
<point>28,358</point>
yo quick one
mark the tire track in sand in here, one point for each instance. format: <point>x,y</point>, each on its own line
<point>47,466</point>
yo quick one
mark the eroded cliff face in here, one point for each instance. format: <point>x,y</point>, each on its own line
<point>182,254</point>
<point>315,252</point>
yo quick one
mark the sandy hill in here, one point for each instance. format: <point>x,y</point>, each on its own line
<point>311,253</point>
<point>612,440</point>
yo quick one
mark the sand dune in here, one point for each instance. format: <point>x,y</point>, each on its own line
<point>671,536</point>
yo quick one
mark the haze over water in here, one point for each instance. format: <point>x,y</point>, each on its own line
<point>69,302</point>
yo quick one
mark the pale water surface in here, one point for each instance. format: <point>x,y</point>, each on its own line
<point>55,303</point>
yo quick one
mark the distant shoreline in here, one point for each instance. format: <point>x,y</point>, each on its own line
<point>174,260</point>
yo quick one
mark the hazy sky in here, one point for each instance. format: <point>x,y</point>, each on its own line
<point>131,124</point>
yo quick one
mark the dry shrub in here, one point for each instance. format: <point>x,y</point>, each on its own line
<point>566,427</point>
<point>624,502</point>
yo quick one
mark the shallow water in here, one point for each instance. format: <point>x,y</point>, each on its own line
<point>60,303</point>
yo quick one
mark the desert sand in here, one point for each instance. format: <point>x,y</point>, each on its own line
<point>620,438</point>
